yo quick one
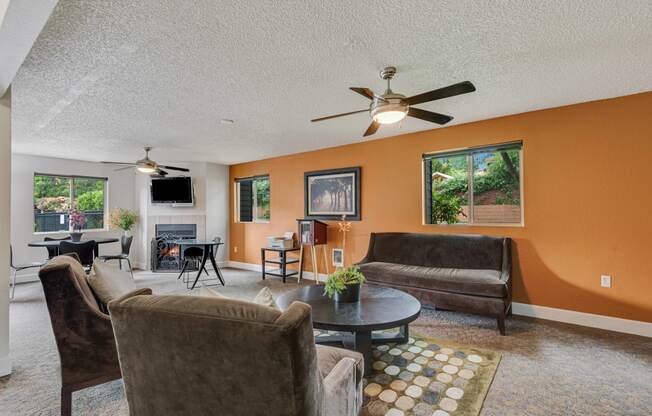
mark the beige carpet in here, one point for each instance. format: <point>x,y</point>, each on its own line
<point>546,368</point>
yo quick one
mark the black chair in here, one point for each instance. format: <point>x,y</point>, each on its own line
<point>125,242</point>
<point>15,268</point>
<point>85,250</point>
<point>54,251</point>
<point>191,260</point>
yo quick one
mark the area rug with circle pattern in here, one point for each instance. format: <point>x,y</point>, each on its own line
<point>428,377</point>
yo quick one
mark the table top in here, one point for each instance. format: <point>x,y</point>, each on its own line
<point>280,249</point>
<point>196,242</point>
<point>55,243</point>
<point>379,308</point>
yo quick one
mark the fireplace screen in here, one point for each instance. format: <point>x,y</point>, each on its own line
<point>166,255</point>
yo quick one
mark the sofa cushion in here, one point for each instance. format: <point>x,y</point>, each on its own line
<point>464,281</point>
<point>109,282</point>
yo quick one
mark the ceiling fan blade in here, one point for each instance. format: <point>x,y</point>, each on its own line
<point>373,127</point>
<point>429,116</point>
<point>365,92</point>
<point>175,168</point>
<point>338,115</point>
<point>450,91</point>
<point>161,172</point>
<point>124,168</point>
<point>119,163</point>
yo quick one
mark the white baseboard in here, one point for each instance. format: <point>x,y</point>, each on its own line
<point>5,366</point>
<point>257,268</point>
<point>609,323</point>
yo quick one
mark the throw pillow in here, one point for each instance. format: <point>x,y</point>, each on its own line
<point>264,297</point>
<point>109,282</point>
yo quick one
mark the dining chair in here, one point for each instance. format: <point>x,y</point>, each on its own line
<point>85,250</point>
<point>19,267</point>
<point>125,242</point>
<point>191,260</point>
<point>54,251</point>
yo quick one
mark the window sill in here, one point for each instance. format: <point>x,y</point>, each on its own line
<point>253,222</point>
<point>92,230</point>
<point>517,225</point>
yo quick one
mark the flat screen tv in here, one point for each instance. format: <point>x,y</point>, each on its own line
<point>173,190</point>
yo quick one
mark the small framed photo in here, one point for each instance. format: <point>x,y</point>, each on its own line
<point>338,257</point>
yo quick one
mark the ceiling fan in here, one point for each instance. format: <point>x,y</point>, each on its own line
<point>391,107</point>
<point>147,165</point>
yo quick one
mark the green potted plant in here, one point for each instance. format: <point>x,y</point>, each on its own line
<point>123,219</point>
<point>344,284</point>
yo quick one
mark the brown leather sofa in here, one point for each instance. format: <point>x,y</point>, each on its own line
<point>466,273</point>
<point>212,356</point>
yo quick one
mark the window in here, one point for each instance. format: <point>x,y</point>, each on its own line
<point>474,186</point>
<point>252,199</point>
<point>55,196</point>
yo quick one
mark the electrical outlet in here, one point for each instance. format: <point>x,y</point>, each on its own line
<point>605,280</point>
<point>235,249</point>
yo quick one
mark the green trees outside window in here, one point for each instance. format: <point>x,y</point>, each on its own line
<point>56,196</point>
<point>474,187</point>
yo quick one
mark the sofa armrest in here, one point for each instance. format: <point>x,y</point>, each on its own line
<point>368,258</point>
<point>506,269</point>
<point>342,395</point>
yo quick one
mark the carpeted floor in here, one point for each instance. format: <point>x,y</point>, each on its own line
<point>546,368</point>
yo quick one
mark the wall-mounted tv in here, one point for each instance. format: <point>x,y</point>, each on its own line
<point>172,190</point>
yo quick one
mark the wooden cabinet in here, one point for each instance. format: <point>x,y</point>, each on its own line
<point>312,232</point>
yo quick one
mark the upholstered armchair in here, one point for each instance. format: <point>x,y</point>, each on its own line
<point>83,333</point>
<point>188,355</point>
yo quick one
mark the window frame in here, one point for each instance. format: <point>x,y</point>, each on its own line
<point>469,152</point>
<point>254,202</point>
<point>71,192</point>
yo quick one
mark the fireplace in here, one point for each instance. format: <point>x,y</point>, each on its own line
<point>166,256</point>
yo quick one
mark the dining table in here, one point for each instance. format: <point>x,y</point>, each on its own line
<point>55,243</point>
<point>209,248</point>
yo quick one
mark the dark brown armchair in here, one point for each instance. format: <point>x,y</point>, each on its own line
<point>83,333</point>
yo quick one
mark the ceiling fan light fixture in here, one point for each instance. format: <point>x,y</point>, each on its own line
<point>145,169</point>
<point>390,116</point>
<point>389,112</point>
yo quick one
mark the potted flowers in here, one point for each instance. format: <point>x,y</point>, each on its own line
<point>344,284</point>
<point>77,221</point>
<point>123,219</point>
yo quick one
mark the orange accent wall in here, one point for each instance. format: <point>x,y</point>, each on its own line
<point>587,198</point>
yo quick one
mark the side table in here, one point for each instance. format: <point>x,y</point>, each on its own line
<point>281,261</point>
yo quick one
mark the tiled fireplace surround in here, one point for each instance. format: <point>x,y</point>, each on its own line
<point>199,220</point>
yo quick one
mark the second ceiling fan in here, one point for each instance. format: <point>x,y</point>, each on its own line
<point>147,165</point>
<point>391,107</point>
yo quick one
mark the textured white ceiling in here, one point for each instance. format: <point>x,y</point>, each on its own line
<point>106,78</point>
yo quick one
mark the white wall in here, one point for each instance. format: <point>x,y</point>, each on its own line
<point>217,206</point>
<point>5,195</point>
<point>210,211</point>
<point>120,193</point>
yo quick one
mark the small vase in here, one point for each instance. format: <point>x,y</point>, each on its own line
<point>350,294</point>
<point>76,236</point>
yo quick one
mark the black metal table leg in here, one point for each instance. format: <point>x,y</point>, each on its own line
<point>214,263</point>
<point>362,344</point>
<point>262,256</point>
<point>204,257</point>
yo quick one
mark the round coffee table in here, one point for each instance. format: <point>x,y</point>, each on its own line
<point>379,308</point>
